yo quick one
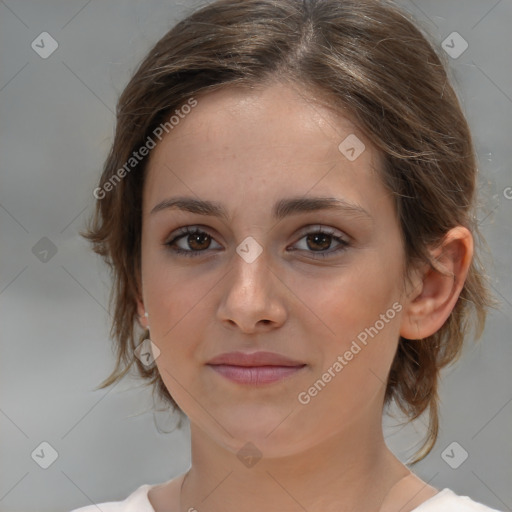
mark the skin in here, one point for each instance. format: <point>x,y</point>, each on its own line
<point>247,150</point>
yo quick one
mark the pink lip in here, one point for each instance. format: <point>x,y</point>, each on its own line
<point>255,375</point>
<point>254,368</point>
<point>254,359</point>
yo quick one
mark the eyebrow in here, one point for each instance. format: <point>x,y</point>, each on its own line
<point>282,208</point>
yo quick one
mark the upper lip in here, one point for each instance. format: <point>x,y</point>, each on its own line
<point>254,359</point>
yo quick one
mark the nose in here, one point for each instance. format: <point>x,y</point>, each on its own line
<point>253,297</point>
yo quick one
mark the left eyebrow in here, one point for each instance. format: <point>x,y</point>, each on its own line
<point>283,208</point>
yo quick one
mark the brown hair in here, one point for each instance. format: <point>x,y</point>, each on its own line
<point>368,60</point>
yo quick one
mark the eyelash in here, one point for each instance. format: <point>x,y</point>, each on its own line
<point>185,231</point>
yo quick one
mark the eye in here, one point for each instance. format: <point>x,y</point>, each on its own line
<point>192,241</point>
<point>321,239</point>
<point>195,239</point>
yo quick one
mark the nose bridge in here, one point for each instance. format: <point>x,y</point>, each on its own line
<point>250,274</point>
<point>249,298</point>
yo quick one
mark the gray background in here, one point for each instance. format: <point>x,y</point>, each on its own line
<point>56,127</point>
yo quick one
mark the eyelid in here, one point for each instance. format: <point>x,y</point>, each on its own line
<point>343,240</point>
<point>182,232</point>
<point>321,228</point>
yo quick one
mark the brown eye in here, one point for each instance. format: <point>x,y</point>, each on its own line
<point>199,241</point>
<point>190,242</point>
<point>320,240</point>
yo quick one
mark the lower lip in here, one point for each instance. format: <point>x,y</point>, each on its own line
<point>255,375</point>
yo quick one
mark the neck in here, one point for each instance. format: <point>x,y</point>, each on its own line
<point>348,472</point>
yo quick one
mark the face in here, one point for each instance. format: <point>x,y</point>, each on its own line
<point>321,286</point>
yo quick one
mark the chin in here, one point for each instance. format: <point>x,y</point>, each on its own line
<point>272,435</point>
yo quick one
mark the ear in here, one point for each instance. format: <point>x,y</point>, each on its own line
<point>141,310</point>
<point>436,290</point>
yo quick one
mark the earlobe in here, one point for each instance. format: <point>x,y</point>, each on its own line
<point>141,310</point>
<point>436,292</point>
<point>142,314</point>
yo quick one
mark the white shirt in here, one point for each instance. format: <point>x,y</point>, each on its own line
<point>444,501</point>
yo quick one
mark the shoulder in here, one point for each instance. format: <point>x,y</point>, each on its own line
<point>137,501</point>
<point>447,501</point>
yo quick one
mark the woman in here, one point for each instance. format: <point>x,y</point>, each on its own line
<point>287,209</point>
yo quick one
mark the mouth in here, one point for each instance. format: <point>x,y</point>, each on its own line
<point>256,368</point>
<point>255,375</point>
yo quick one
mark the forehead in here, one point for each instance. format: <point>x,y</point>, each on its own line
<point>268,139</point>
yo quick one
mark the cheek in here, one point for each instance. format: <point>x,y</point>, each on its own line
<point>355,297</point>
<point>360,315</point>
<point>174,297</point>
<point>351,305</point>
<point>177,313</point>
